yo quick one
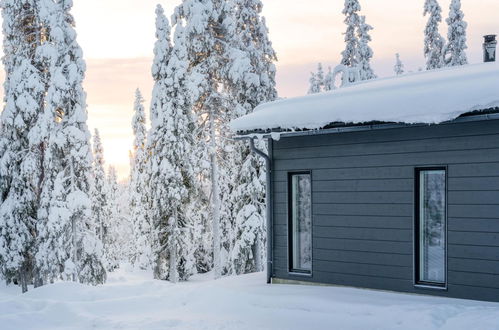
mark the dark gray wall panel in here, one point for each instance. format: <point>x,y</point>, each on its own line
<point>364,221</point>
<point>375,258</point>
<point>474,224</point>
<point>363,212</point>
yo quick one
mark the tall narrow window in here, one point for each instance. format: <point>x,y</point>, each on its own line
<point>431,251</point>
<point>300,223</point>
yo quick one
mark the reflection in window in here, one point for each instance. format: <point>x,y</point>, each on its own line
<point>432,226</point>
<point>301,223</point>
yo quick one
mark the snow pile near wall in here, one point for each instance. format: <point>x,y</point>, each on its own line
<point>134,301</point>
<point>428,97</point>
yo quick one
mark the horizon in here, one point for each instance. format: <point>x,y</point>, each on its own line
<point>119,53</point>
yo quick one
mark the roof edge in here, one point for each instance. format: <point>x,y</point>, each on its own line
<point>481,115</point>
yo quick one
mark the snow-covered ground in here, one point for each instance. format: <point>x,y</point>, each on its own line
<point>134,301</point>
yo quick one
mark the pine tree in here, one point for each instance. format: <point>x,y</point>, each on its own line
<point>207,47</point>
<point>352,20</point>
<point>21,140</point>
<point>114,247</point>
<point>434,43</point>
<point>455,52</point>
<point>320,75</point>
<point>159,225</point>
<point>68,150</point>
<point>247,200</point>
<point>138,188</point>
<point>99,196</point>
<point>159,234</point>
<point>329,80</point>
<point>162,54</point>
<point>365,52</point>
<point>122,235</point>
<point>399,66</point>
<point>172,169</point>
<point>316,80</point>
<point>314,86</point>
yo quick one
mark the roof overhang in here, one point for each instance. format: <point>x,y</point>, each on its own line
<point>336,128</point>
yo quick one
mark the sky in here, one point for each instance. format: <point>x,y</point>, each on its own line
<point>117,37</point>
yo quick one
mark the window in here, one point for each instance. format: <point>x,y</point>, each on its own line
<point>431,227</point>
<point>300,223</point>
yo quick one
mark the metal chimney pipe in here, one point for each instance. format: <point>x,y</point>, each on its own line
<point>489,48</point>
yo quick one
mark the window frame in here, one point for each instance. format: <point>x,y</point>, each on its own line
<point>418,283</point>
<point>291,269</point>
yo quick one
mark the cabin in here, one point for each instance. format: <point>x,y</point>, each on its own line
<point>391,184</point>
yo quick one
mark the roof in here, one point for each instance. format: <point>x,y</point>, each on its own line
<point>429,97</point>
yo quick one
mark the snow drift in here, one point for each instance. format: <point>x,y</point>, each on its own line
<point>430,97</point>
<point>135,301</point>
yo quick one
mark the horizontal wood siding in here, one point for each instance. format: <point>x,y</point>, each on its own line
<point>363,205</point>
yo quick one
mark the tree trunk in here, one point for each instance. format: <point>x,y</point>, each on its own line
<point>257,253</point>
<point>37,278</point>
<point>173,251</point>
<point>23,278</point>
<point>215,200</point>
<point>73,229</point>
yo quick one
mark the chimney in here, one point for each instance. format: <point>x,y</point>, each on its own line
<point>489,48</point>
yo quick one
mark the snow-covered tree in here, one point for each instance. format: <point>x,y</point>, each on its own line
<point>455,51</point>
<point>99,196</point>
<point>68,149</point>
<point>113,249</point>
<point>434,43</point>
<point>207,52</point>
<point>159,234</point>
<point>138,188</point>
<point>162,53</point>
<point>21,140</point>
<point>364,53</point>
<point>320,74</point>
<point>173,185</point>
<point>254,84</point>
<point>314,85</point>
<point>352,20</point>
<point>398,68</point>
<point>122,229</point>
<point>329,80</point>
<point>316,81</point>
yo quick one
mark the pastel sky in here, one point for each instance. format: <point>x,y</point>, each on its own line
<point>117,37</point>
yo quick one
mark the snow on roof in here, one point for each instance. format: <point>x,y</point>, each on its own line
<point>430,97</point>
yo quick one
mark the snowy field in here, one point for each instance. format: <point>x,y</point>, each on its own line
<point>133,301</point>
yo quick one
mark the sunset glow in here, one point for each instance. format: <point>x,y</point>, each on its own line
<point>117,37</point>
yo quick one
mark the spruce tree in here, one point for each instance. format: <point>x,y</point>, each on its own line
<point>114,247</point>
<point>21,140</point>
<point>162,53</point>
<point>207,46</point>
<point>69,149</point>
<point>314,85</point>
<point>172,170</point>
<point>159,225</point>
<point>138,193</point>
<point>455,52</point>
<point>247,202</point>
<point>316,81</point>
<point>434,43</point>
<point>365,52</point>
<point>399,66</point>
<point>159,211</point>
<point>99,196</point>
<point>320,75</point>
<point>352,20</point>
<point>329,80</point>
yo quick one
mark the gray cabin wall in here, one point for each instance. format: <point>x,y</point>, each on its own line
<point>363,205</point>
